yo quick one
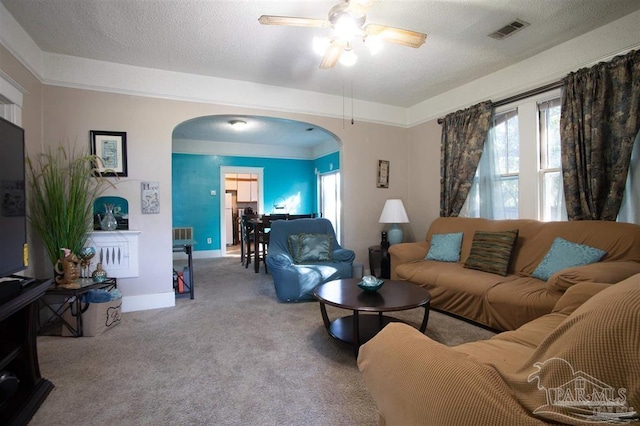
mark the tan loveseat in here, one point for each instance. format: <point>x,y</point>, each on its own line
<point>579,365</point>
<point>507,302</point>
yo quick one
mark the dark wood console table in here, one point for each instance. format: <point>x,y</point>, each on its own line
<point>19,354</point>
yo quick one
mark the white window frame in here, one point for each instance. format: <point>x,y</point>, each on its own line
<point>528,129</point>
<point>543,169</point>
<point>510,175</point>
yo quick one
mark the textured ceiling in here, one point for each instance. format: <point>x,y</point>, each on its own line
<point>223,38</point>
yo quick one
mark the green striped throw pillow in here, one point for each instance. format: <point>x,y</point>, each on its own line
<point>491,251</point>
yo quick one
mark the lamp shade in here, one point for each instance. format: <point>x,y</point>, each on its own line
<point>393,212</point>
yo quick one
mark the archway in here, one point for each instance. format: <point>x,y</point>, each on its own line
<point>291,155</point>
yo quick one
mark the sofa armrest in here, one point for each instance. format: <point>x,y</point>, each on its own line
<point>343,255</point>
<point>576,295</point>
<point>601,272</point>
<point>279,260</point>
<point>415,380</point>
<point>405,253</point>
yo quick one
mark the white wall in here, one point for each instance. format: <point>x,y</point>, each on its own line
<point>69,115</point>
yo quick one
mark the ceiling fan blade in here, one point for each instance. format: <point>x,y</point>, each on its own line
<point>332,55</point>
<point>396,35</point>
<point>293,21</point>
<point>359,7</point>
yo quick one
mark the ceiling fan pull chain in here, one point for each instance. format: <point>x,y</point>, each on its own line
<point>343,105</point>
<point>352,100</point>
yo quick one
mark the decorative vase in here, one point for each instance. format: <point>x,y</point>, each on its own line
<point>108,222</point>
<point>85,255</point>
<point>66,270</point>
<point>99,275</point>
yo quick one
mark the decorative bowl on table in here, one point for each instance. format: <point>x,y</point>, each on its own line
<point>370,283</point>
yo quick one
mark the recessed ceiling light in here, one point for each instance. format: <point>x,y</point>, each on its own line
<point>238,124</point>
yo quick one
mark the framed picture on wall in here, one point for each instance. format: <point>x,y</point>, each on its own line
<point>383,174</point>
<point>150,197</point>
<point>110,149</point>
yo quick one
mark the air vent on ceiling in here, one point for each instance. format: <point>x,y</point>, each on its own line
<point>509,29</point>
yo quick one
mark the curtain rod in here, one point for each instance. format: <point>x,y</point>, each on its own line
<point>523,95</point>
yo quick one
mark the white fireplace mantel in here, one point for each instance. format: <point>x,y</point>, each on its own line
<point>117,250</point>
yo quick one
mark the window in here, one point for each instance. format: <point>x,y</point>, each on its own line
<point>551,187</point>
<point>330,199</point>
<point>506,148</point>
<point>495,189</point>
<point>519,175</point>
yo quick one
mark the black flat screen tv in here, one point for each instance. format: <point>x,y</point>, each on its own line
<point>13,218</point>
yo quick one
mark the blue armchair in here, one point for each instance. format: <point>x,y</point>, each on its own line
<point>296,282</point>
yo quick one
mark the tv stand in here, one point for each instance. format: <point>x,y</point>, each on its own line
<point>19,354</point>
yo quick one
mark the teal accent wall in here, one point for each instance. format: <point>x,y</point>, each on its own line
<point>194,176</point>
<point>324,164</point>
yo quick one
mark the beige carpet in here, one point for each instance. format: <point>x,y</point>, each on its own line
<point>232,356</point>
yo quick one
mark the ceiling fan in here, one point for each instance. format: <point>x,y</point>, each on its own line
<point>347,19</point>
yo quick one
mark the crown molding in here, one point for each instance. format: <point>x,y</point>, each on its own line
<point>70,71</point>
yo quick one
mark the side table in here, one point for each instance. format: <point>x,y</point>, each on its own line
<point>186,246</point>
<point>379,262</point>
<point>57,300</point>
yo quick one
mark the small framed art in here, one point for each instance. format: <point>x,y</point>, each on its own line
<point>150,197</point>
<point>383,174</point>
<point>110,148</point>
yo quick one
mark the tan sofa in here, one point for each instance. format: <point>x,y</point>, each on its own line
<point>577,365</point>
<point>507,302</point>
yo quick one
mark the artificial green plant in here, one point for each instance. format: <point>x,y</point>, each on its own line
<point>63,184</point>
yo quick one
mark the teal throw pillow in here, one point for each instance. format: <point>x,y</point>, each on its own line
<point>491,251</point>
<point>445,247</point>
<point>309,248</point>
<point>566,254</point>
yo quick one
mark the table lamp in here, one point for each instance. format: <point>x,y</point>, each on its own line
<point>394,213</point>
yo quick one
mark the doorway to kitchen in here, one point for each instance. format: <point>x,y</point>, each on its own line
<point>243,189</point>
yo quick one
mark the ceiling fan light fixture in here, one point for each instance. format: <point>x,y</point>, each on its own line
<point>238,124</point>
<point>346,28</point>
<point>363,3</point>
<point>321,44</point>
<point>373,43</point>
<point>348,58</point>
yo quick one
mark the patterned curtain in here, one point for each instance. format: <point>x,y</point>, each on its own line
<point>463,136</point>
<point>599,121</point>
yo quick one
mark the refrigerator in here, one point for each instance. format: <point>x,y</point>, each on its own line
<point>228,217</point>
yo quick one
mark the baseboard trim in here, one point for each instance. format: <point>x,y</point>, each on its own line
<point>145,302</point>
<point>198,254</point>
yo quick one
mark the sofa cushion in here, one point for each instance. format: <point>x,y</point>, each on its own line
<point>491,251</point>
<point>512,303</point>
<point>305,248</point>
<point>565,254</point>
<point>445,247</point>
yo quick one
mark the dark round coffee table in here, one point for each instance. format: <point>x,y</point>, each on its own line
<point>356,329</point>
